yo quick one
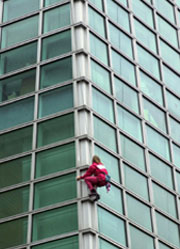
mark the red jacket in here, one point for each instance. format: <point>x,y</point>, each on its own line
<point>96,169</point>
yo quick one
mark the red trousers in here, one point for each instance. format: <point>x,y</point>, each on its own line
<point>93,181</point>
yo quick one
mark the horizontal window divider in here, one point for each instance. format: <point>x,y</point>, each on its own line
<point>166,215</point>
<point>102,91</point>
<point>157,56</point>
<point>56,58</point>
<point>102,146</point>
<point>53,87</point>
<point>141,228</point>
<point>17,127</point>
<point>14,217</point>
<point>54,115</point>
<point>102,236</point>
<point>158,130</point>
<point>172,191</point>
<point>25,96</point>
<point>52,6</point>
<point>55,31</point>
<point>15,186</point>
<point>16,156</point>
<point>88,230</point>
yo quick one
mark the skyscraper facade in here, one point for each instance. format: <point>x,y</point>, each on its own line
<point>85,77</point>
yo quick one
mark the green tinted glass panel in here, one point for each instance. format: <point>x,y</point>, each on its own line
<point>55,159</point>
<point>130,150</point>
<point>171,79</point>
<point>118,14</point>
<point>113,200</point>
<point>99,49</point>
<point>96,22</point>
<point>106,245</point>
<point>17,113</point>
<point>55,101</point>
<point>151,88</point>
<point>176,155</point>
<point>17,85</point>
<point>116,226</point>
<point>173,104</point>
<point>167,230</point>
<point>56,72</point>
<point>14,202</point>
<point>17,32</point>
<point>97,3</point>
<point>178,181</point>
<point>100,76</point>
<point>123,67</point>
<point>126,95</point>
<point>140,210</point>
<point>17,58</point>
<point>56,45</point>
<point>154,115</point>
<point>15,231</point>
<point>67,243</point>
<point>57,18</point>
<point>140,240</point>
<point>145,36</point>
<point>145,13</point>
<point>120,40</point>
<point>110,162</point>
<point>100,129</point>
<point>16,142</point>
<point>157,142</point>
<point>175,129</point>
<point>14,172</point>
<point>162,246</point>
<point>148,61</point>
<point>48,224</point>
<point>164,200</point>
<point>103,105</point>
<point>131,178</point>
<point>13,9</point>
<point>49,2</point>
<point>56,129</point>
<point>129,123</point>
<point>44,191</point>
<point>165,7</point>
<point>161,171</point>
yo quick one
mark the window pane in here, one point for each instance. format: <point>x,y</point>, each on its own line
<point>170,55</point>
<point>57,18</point>
<point>165,7</point>
<point>99,49</point>
<point>154,115</point>
<point>67,243</point>
<point>15,231</point>
<point>17,85</point>
<point>173,104</point>
<point>176,155</point>
<point>56,72</point>
<point>55,190</point>
<point>113,200</point>
<point>140,210</point>
<point>126,95</point>
<point>14,172</point>
<point>171,79</point>
<point>161,171</point>
<point>55,101</point>
<point>110,162</point>
<point>17,58</point>
<point>151,88</point>
<point>17,32</point>
<point>120,40</point>
<point>56,45</point>
<point>145,36</point>
<point>166,30</point>
<point>56,159</point>
<point>97,3</point>
<point>103,105</point>
<point>178,181</point>
<point>123,67</point>
<point>15,142</point>
<point>167,229</point>
<point>49,2</point>
<point>140,240</point>
<point>115,229</point>
<point>164,200</point>
<point>96,22</point>
<point>16,113</point>
<point>14,202</point>
<point>48,224</point>
<point>175,129</point>
<point>157,142</point>
<point>118,14</point>
<point>129,123</point>
<point>100,129</point>
<point>143,12</point>
<point>148,61</point>
<point>100,76</point>
<point>131,179</point>
<point>106,245</point>
<point>55,130</point>
<point>130,150</point>
<point>13,9</point>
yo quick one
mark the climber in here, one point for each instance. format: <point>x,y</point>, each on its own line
<point>96,176</point>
